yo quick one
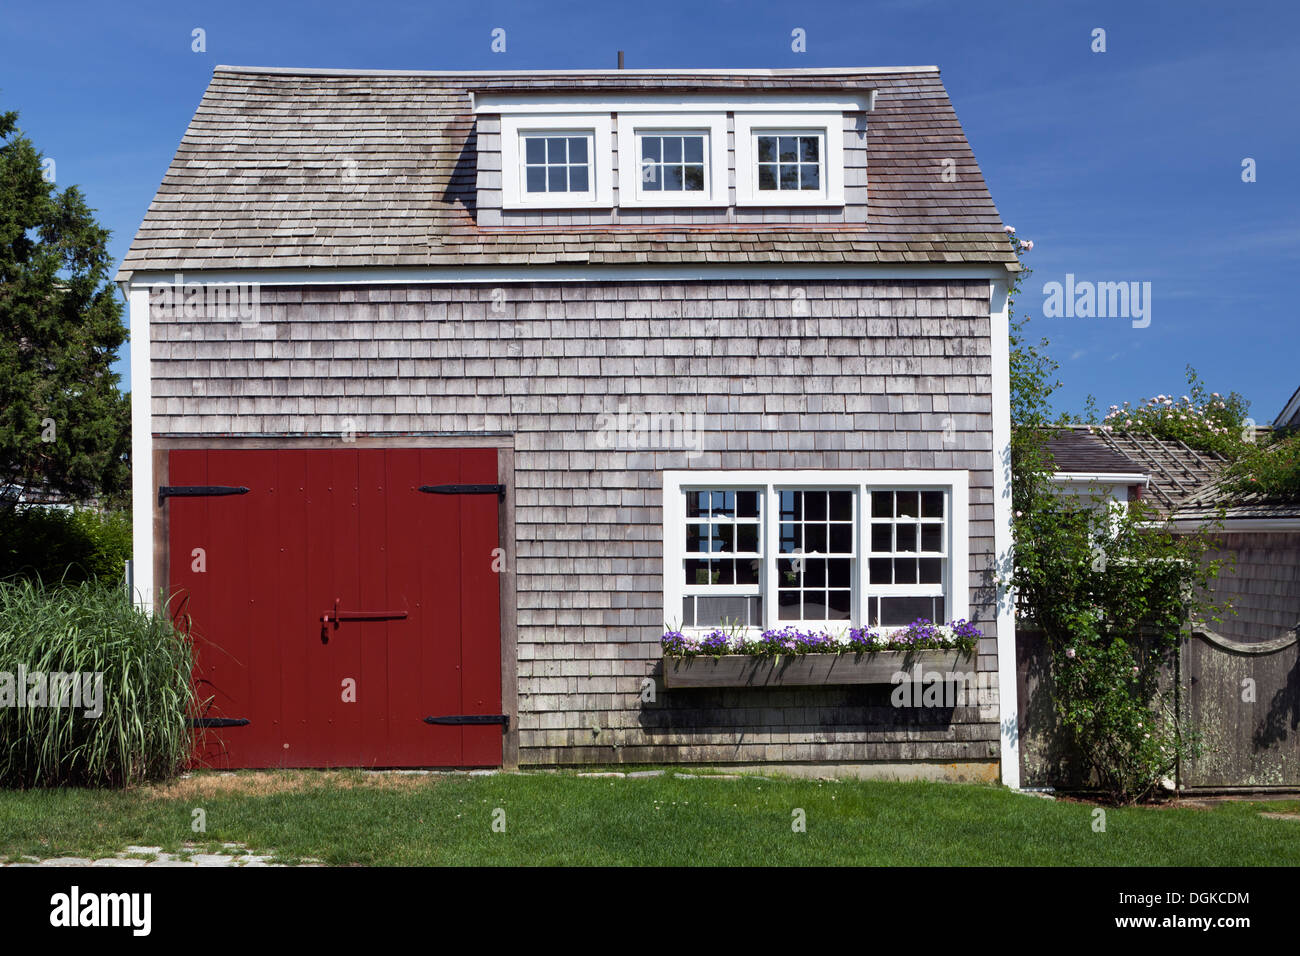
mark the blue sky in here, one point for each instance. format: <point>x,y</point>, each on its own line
<point>1121,166</point>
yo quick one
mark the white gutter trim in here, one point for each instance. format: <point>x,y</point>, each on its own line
<point>568,272</point>
<point>1008,694</point>
<point>1119,478</point>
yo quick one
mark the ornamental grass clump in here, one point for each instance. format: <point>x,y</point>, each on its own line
<point>127,672</point>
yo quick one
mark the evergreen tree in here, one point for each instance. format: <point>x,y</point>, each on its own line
<point>64,424</point>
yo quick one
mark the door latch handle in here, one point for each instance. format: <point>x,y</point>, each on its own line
<point>336,617</point>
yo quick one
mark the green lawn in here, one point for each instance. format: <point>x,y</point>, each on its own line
<point>560,818</point>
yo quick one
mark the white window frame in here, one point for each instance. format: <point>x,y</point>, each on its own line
<point>829,125</point>
<point>956,582</point>
<point>631,126</point>
<point>599,129</point>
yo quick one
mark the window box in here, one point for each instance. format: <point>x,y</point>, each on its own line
<point>813,670</point>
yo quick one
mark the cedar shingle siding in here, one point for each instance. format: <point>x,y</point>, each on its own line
<point>868,380</point>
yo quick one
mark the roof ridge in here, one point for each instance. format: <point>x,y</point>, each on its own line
<point>718,71</point>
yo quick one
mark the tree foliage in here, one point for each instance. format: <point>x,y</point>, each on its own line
<point>64,424</point>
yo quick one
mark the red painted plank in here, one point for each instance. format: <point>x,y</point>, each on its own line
<point>346,524</point>
<point>480,635</point>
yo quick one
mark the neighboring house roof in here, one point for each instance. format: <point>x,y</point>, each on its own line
<point>256,183</point>
<point>1175,472</point>
<point>1075,451</point>
<point>1205,504</point>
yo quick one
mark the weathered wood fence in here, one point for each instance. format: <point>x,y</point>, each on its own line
<point>1242,697</point>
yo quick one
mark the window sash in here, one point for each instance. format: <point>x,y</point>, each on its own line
<point>864,596</point>
<point>549,164</point>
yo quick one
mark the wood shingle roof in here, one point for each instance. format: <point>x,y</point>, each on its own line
<point>329,169</point>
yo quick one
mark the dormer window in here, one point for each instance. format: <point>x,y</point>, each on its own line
<point>672,160</point>
<point>789,159</point>
<point>705,153</point>
<point>672,163</point>
<point>556,161</point>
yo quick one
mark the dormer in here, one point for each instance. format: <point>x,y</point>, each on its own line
<point>641,158</point>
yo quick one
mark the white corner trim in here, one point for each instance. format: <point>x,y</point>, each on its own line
<point>1008,696</point>
<point>142,477</point>
<point>601,158</point>
<point>830,125</point>
<point>713,125</point>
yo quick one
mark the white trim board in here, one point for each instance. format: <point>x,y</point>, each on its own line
<point>676,103</point>
<point>703,272</point>
<point>142,478</point>
<point>1117,478</point>
<point>1008,696</point>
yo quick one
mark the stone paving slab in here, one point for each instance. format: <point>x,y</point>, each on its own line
<point>131,857</point>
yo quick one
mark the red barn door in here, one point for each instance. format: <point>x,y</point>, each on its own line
<point>335,606</point>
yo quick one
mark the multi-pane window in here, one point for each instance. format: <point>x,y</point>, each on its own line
<point>672,162</point>
<point>557,164</point>
<point>790,162</point>
<point>835,549</point>
<point>815,567</point>
<point>907,551</point>
<point>723,557</point>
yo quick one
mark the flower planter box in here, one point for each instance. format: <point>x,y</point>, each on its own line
<point>811,670</point>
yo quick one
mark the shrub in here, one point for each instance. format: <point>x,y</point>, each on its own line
<point>1272,471</point>
<point>1200,419</point>
<point>145,699</point>
<point>71,546</point>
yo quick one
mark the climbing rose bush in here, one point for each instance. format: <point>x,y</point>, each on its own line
<point>1272,472</point>
<point>921,634</point>
<point>1200,419</point>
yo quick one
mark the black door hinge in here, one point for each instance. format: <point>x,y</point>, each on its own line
<point>220,722</point>
<point>502,719</point>
<point>198,491</point>
<point>498,490</point>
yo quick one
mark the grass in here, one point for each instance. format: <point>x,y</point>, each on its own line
<point>347,817</point>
